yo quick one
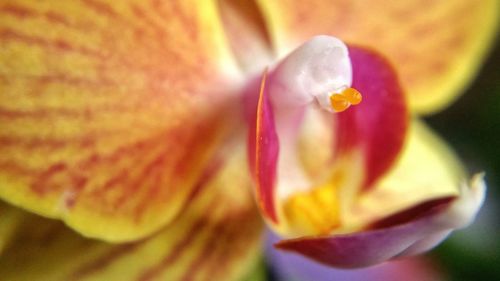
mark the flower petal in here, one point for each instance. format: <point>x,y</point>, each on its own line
<point>437,46</point>
<point>246,33</point>
<point>216,238</point>
<point>97,109</point>
<point>378,125</point>
<point>408,238</point>
<point>266,153</point>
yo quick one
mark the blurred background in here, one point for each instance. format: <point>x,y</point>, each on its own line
<point>471,126</point>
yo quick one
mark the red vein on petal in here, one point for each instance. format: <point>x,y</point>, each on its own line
<point>210,172</point>
<point>36,142</point>
<point>40,82</point>
<point>15,168</point>
<point>142,15</point>
<point>175,253</point>
<point>213,243</point>
<point>41,182</point>
<point>239,235</point>
<point>195,230</point>
<point>180,170</point>
<point>52,17</point>
<point>103,261</point>
<point>154,166</point>
<point>17,10</point>
<point>39,186</point>
<point>47,113</point>
<point>57,18</point>
<point>158,7</point>
<point>7,34</point>
<point>101,8</point>
<point>120,251</point>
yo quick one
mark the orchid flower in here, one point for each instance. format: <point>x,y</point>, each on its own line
<point>145,127</point>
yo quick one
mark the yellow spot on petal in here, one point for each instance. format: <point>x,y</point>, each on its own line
<point>314,212</point>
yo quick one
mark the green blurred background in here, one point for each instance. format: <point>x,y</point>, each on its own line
<point>471,126</point>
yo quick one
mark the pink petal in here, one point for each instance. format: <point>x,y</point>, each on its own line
<point>266,151</point>
<point>379,124</point>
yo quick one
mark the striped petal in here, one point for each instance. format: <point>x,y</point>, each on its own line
<point>109,110</point>
<point>348,152</point>
<point>436,46</point>
<point>216,238</point>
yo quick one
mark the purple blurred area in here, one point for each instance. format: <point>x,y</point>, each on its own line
<point>292,267</point>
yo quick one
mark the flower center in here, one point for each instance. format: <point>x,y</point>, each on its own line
<point>316,211</point>
<point>316,75</point>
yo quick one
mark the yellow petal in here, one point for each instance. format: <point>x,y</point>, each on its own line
<point>246,33</point>
<point>427,170</point>
<point>258,273</point>
<point>217,238</point>
<point>107,109</point>
<point>437,46</point>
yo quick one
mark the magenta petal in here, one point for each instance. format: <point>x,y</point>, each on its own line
<point>379,124</point>
<point>374,246</point>
<point>265,146</point>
